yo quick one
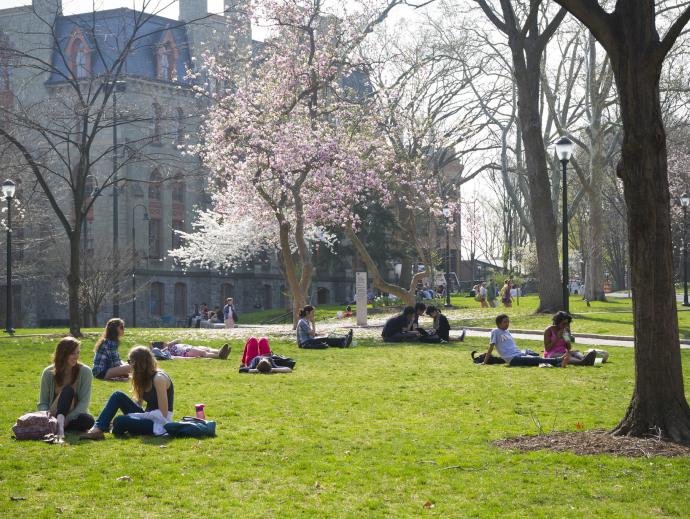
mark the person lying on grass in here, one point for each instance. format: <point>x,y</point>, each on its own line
<point>503,341</point>
<point>150,385</point>
<point>107,364</point>
<point>255,348</point>
<point>397,328</point>
<point>558,342</point>
<point>177,349</point>
<point>306,333</point>
<point>442,326</point>
<point>264,364</point>
<point>66,390</point>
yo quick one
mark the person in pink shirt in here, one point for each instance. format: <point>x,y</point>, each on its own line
<point>558,342</point>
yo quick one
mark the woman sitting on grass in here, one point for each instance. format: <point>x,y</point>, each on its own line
<point>558,342</point>
<point>66,389</point>
<point>180,350</point>
<point>107,364</point>
<point>442,326</point>
<point>306,333</point>
<point>150,385</point>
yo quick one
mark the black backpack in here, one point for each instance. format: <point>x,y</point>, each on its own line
<point>479,359</point>
<point>283,362</point>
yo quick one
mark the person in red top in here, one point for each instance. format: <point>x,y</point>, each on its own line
<point>255,348</point>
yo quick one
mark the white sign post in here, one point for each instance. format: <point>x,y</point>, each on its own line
<point>361,298</point>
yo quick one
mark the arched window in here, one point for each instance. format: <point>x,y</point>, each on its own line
<point>156,126</point>
<point>180,126</point>
<point>226,290</point>
<point>79,55</point>
<point>180,304</point>
<point>6,59</point>
<point>167,58</point>
<point>155,180</point>
<point>178,191</point>
<point>155,213</point>
<point>156,301</point>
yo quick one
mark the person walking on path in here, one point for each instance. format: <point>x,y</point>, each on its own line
<point>506,297</point>
<point>491,293</point>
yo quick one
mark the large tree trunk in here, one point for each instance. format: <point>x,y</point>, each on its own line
<point>527,80</point>
<point>594,278</point>
<point>73,282</point>
<point>298,297</point>
<point>658,406</point>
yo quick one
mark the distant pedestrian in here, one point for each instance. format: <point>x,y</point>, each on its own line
<point>482,295</point>
<point>506,297</point>
<point>491,293</point>
<point>229,313</point>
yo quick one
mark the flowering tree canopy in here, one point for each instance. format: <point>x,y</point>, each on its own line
<point>289,141</point>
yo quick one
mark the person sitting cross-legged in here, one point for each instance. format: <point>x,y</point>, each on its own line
<point>503,341</point>
<point>442,326</point>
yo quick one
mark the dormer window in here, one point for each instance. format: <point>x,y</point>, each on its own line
<point>167,58</point>
<point>79,55</point>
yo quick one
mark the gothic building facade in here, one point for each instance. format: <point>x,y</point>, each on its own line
<point>157,114</point>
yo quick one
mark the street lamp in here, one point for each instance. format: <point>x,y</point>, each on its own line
<point>446,214</point>
<point>685,202</point>
<point>118,86</point>
<point>134,262</point>
<point>8,188</point>
<point>564,150</point>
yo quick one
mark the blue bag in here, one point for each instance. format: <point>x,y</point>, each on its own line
<point>191,427</point>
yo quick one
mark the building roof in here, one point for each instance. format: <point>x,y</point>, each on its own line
<point>110,30</point>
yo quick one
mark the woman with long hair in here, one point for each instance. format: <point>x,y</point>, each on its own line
<point>66,389</point>
<point>107,363</point>
<point>150,385</point>
<point>306,333</point>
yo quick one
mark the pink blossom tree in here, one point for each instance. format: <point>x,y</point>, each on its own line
<point>291,148</point>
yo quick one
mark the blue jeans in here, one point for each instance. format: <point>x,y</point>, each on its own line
<point>119,401</point>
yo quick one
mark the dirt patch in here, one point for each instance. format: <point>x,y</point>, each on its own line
<point>595,442</point>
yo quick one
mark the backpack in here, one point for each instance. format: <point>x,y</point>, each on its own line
<point>283,362</point>
<point>479,359</point>
<point>191,427</point>
<point>234,315</point>
<point>34,426</point>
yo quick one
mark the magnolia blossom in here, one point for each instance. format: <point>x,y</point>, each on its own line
<point>290,147</point>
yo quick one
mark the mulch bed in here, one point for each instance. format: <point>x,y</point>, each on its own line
<point>595,442</point>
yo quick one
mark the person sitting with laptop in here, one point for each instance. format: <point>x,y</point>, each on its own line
<point>306,333</point>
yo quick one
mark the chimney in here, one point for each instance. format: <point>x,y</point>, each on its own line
<point>192,9</point>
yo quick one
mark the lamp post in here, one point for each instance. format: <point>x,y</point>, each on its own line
<point>134,262</point>
<point>8,188</point>
<point>446,214</point>
<point>564,150</point>
<point>685,202</point>
<point>118,86</point>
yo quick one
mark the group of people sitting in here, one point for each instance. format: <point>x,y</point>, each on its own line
<point>66,389</point>
<point>558,349</point>
<point>404,327</point>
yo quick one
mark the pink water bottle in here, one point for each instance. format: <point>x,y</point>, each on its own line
<point>200,411</point>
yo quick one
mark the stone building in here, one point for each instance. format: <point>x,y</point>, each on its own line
<point>160,186</point>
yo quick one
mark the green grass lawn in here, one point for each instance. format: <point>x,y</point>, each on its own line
<point>372,431</point>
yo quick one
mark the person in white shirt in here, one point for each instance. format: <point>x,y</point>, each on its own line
<point>503,341</point>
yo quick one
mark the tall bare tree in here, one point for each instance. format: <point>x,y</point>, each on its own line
<point>637,52</point>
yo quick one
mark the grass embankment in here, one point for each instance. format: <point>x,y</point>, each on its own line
<point>372,431</point>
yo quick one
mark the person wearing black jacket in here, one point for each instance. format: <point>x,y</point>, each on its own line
<point>442,326</point>
<point>397,328</point>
